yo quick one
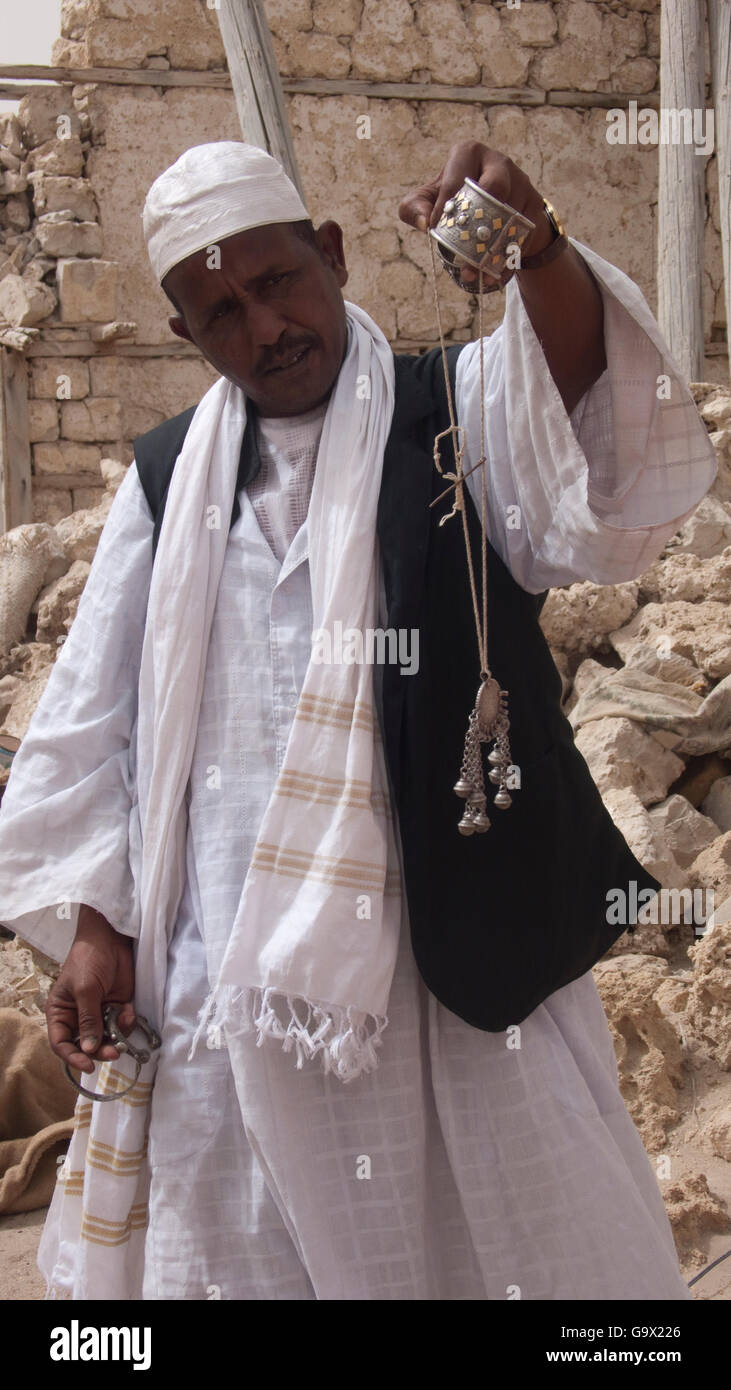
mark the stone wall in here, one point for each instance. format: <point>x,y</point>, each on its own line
<point>74,274</point>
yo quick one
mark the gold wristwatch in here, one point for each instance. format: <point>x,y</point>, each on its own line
<point>554,249</point>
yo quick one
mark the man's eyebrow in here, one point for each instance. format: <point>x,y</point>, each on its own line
<point>276,268</point>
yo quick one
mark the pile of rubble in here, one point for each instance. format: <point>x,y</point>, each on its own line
<point>646,668</point>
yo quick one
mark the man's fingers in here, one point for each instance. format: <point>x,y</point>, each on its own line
<point>91,1028</point>
<point>127,1017</point>
<point>69,1052</point>
<point>466,160</point>
<point>416,209</point>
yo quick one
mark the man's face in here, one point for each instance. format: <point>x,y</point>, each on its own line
<point>274,297</point>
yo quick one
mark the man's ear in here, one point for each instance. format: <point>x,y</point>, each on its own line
<point>180,327</point>
<point>329,236</point>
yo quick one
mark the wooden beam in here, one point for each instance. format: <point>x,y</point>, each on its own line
<point>118,77</point>
<point>69,481</point>
<point>681,188</point>
<point>412,91</point>
<point>255,76</point>
<point>15,481</point>
<point>324,87</point>
<point>719,26</point>
<point>603,100</point>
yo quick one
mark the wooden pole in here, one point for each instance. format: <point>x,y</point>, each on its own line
<point>15,484</point>
<point>255,78</point>
<point>719,26</point>
<point>681,194</point>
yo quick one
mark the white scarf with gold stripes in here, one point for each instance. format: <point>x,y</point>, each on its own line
<point>313,946</point>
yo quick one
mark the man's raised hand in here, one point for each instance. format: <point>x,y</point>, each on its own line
<point>494,172</point>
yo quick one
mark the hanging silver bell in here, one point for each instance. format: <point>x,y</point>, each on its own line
<point>466,825</point>
<point>495,756</point>
<point>463,788</point>
<point>503,799</point>
<point>481,822</point>
<point>495,775</point>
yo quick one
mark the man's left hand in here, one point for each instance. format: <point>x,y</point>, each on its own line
<point>494,172</point>
<point>561,298</point>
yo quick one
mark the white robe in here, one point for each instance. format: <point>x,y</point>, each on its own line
<point>462,1167</point>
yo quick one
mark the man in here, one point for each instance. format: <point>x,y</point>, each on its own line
<point>204,786</point>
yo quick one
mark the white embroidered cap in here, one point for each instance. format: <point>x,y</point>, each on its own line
<point>213,191</point>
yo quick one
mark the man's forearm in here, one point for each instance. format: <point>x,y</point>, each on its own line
<point>565,307</point>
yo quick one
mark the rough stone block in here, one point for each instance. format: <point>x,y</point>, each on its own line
<point>42,421</point>
<point>334,16</point>
<point>644,835</point>
<point>17,212</point>
<point>636,75</point>
<point>321,56</point>
<point>15,182</point>
<point>24,303</point>
<point>286,17</point>
<point>79,533</point>
<point>74,17</point>
<point>104,376</point>
<point>11,134</point>
<point>388,46</point>
<point>65,456</point>
<point>687,577</point>
<point>707,532</point>
<point>450,55</point>
<point>65,53</point>
<point>90,419</point>
<point>53,193</point>
<point>87,290</point>
<point>87,497</point>
<point>531,24</point>
<point>697,631</point>
<point>682,829</point>
<point>583,58</point>
<point>712,869</point>
<point>57,603</point>
<point>504,62</point>
<point>620,754</point>
<point>59,378</point>
<point>717,804</point>
<point>113,472</point>
<point>69,238</point>
<point>190,36</point>
<point>51,504</point>
<point>39,112</point>
<point>580,617</point>
<point>60,157</point>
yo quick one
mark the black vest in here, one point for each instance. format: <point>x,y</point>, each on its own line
<point>498,921</point>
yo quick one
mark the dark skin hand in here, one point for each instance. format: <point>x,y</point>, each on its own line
<point>99,969</point>
<point>562,300</point>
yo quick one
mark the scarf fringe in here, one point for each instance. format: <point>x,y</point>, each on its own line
<point>345,1039</point>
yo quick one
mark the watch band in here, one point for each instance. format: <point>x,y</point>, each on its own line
<point>554,249</point>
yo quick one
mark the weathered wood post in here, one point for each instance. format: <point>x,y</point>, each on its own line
<point>719,26</point>
<point>255,77</point>
<point>681,201</point>
<point>15,472</point>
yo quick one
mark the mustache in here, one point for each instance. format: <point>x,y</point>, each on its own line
<point>282,354</point>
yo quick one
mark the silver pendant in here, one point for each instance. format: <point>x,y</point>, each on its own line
<point>488,723</point>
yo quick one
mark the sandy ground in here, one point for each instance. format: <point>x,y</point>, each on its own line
<point>20,1278</point>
